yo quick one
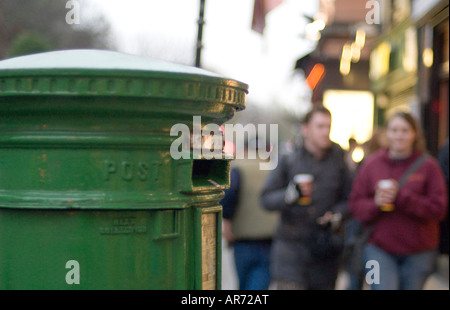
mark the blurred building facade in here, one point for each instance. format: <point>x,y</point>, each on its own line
<point>395,49</point>
<point>337,71</point>
<point>409,65</point>
<point>344,21</point>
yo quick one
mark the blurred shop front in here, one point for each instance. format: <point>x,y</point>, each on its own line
<point>364,70</point>
<point>433,74</point>
<point>409,66</point>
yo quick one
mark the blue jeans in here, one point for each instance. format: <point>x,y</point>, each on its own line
<point>252,264</point>
<point>399,272</point>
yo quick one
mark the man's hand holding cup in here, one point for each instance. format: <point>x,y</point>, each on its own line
<point>299,190</point>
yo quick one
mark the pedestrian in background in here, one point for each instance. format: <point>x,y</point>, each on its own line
<point>307,247</point>
<point>405,220</point>
<point>246,225</point>
<point>352,145</point>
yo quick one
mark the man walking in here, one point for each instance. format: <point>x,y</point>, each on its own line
<point>306,249</point>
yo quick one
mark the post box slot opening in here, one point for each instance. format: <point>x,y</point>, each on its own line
<point>212,173</point>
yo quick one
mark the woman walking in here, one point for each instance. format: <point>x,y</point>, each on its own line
<point>404,218</point>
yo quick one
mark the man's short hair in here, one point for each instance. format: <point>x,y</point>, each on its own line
<point>314,110</point>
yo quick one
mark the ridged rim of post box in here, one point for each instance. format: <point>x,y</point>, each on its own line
<point>112,74</point>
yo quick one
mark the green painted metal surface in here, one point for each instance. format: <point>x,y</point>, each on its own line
<point>90,197</point>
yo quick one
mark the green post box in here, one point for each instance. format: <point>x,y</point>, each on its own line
<point>90,194</point>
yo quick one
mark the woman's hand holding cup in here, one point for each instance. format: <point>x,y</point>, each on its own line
<point>385,194</point>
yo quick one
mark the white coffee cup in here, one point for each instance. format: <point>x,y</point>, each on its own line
<point>386,184</point>
<point>305,182</point>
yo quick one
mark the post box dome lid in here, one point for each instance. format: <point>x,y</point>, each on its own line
<point>109,73</point>
<point>96,60</point>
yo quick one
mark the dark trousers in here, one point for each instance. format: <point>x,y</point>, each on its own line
<point>293,265</point>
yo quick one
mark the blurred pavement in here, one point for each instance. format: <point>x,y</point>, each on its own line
<point>438,281</point>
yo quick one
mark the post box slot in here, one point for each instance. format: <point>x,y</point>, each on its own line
<point>210,173</point>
